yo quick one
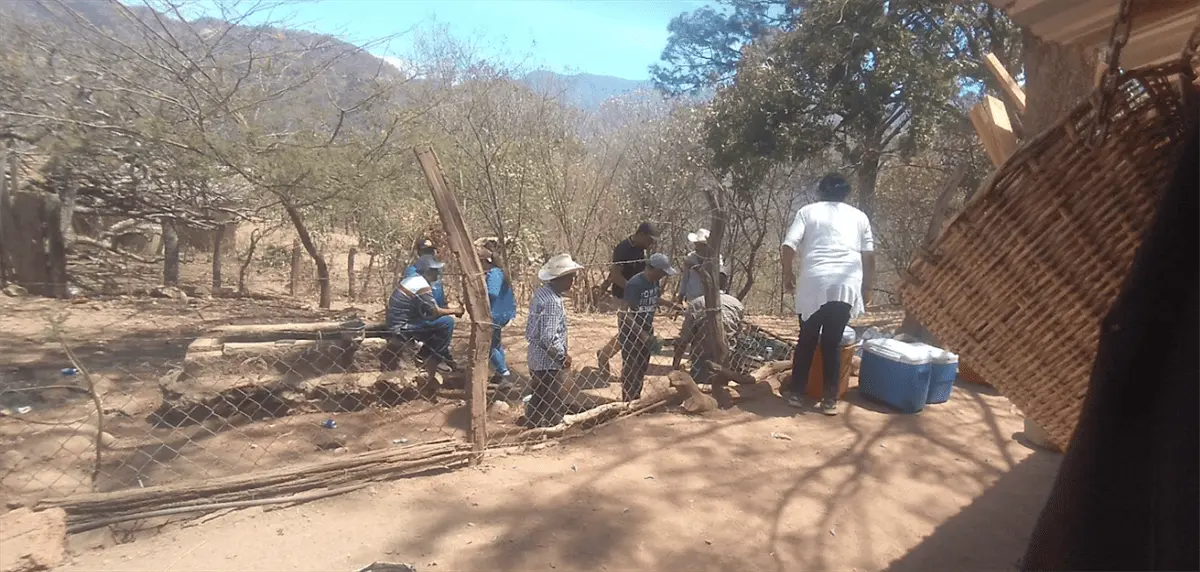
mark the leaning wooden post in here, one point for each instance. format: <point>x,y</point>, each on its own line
<point>475,293</point>
<point>4,216</point>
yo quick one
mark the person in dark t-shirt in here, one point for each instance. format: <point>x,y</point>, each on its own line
<point>628,260</point>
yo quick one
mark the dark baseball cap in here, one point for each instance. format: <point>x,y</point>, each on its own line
<point>648,229</point>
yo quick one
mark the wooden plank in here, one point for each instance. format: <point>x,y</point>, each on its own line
<point>475,292</point>
<point>1160,27</point>
<point>1015,94</point>
<point>990,119</point>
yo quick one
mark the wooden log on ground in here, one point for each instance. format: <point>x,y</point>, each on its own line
<point>694,401</point>
<point>723,374</point>
<point>596,416</point>
<point>768,370</point>
<point>133,504</point>
<point>292,331</point>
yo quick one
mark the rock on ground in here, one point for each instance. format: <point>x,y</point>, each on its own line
<point>31,541</point>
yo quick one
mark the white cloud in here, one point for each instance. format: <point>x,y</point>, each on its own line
<point>402,65</point>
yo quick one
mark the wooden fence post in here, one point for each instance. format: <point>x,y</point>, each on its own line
<point>475,293</point>
<point>350,272</point>
<point>4,208</point>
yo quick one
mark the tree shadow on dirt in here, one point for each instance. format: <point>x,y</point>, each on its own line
<point>845,465</point>
<point>982,535</point>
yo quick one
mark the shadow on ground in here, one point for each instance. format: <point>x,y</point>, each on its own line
<point>765,491</point>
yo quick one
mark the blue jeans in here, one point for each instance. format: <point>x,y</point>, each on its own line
<point>499,363</point>
<point>434,334</point>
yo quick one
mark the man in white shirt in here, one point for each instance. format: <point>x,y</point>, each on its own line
<point>835,246</point>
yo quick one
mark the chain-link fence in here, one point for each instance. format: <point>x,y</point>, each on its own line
<point>259,410</point>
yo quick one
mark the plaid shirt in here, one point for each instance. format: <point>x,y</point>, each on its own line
<point>546,330</point>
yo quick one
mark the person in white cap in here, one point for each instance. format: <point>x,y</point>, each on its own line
<point>834,243</point>
<point>635,324</point>
<point>414,314</point>
<point>690,286</point>
<point>546,332</point>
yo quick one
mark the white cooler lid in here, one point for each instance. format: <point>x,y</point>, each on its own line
<point>938,355</point>
<point>898,351</point>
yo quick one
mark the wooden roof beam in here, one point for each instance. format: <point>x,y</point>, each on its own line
<point>1012,90</point>
<point>990,119</point>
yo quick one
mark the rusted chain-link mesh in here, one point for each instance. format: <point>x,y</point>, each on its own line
<point>244,399</point>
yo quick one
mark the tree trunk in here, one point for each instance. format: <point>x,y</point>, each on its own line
<point>310,247</point>
<point>56,247</point>
<point>219,235</point>
<point>751,260</point>
<point>255,236</point>
<point>366,281</point>
<point>67,215</point>
<point>170,241</point>
<point>866,176</point>
<point>1057,78</point>
<point>294,279</point>
<point>712,328</point>
<point>350,273</point>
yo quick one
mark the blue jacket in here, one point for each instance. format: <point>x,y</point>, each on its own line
<point>500,297</point>
<point>439,295</point>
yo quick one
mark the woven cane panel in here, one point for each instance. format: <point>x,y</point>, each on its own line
<point>1019,282</point>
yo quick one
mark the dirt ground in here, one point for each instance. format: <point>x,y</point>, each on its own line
<point>758,487</point>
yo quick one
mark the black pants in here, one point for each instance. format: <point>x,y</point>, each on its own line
<point>635,361</point>
<point>824,329</point>
<point>545,405</point>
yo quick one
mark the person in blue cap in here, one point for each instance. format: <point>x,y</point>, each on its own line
<point>425,247</point>
<point>635,323</point>
<point>414,314</point>
<point>504,308</point>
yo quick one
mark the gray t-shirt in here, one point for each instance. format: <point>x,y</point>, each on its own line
<point>642,297</point>
<point>732,312</point>
<point>690,285</point>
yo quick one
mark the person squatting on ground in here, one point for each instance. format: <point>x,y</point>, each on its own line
<point>837,274</point>
<point>414,314</point>
<point>504,308</point>
<point>635,323</point>
<point>546,332</point>
<point>628,259</point>
<point>691,333</point>
<point>425,247</point>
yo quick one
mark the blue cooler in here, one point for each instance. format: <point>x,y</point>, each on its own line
<point>895,373</point>
<point>943,371</point>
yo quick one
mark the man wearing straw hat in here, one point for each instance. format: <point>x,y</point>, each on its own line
<point>835,246</point>
<point>546,332</point>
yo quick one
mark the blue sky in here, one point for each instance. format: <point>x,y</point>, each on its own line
<point>605,37</point>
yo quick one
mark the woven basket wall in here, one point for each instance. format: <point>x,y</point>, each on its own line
<point>1019,281</point>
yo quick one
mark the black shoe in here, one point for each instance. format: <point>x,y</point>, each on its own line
<point>793,399</point>
<point>829,407</point>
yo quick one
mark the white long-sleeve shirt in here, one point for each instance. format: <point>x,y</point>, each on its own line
<point>829,239</point>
